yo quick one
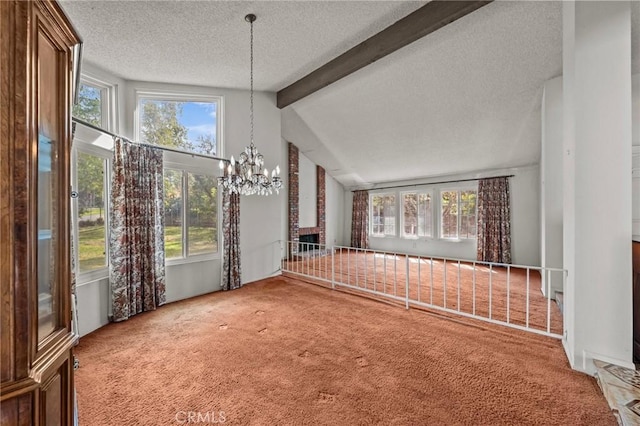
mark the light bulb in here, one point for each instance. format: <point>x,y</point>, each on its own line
<point>278,170</point>
<point>229,169</point>
<point>266,172</point>
<point>249,172</point>
<point>233,161</point>
<point>273,173</point>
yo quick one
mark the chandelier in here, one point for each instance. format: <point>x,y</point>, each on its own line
<point>247,176</point>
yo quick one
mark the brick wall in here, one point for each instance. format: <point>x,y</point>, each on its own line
<point>294,200</point>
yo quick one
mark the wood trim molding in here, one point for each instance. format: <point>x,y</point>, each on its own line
<point>427,19</point>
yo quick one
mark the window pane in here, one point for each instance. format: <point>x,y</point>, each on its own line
<point>383,214</point>
<point>425,215</point>
<point>91,212</point>
<point>89,106</point>
<point>203,209</point>
<point>172,213</point>
<point>410,215</point>
<point>449,222</point>
<point>188,126</point>
<point>468,214</point>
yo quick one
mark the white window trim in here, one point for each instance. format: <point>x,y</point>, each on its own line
<point>108,100</point>
<point>418,192</point>
<point>383,235</point>
<point>459,189</point>
<point>179,96</point>
<point>83,278</point>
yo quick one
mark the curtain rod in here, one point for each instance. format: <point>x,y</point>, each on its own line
<point>164,148</point>
<point>433,183</point>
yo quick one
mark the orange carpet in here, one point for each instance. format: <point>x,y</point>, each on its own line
<point>282,352</point>
<point>500,293</point>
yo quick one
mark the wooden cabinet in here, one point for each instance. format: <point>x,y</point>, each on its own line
<point>36,72</point>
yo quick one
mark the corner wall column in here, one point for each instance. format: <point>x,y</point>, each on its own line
<point>597,182</point>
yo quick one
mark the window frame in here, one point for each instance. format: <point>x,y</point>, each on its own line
<point>176,164</point>
<point>170,96</point>
<point>108,104</point>
<point>107,157</point>
<point>371,224</point>
<point>459,190</point>
<point>417,192</point>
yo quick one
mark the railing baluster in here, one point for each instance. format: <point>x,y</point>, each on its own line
<point>349,266</point>
<point>374,271</point>
<point>431,289</point>
<point>333,268</point>
<point>458,286</point>
<point>366,253</point>
<point>357,262</point>
<point>548,301</point>
<point>527,308</point>
<point>384,278</point>
<point>395,274</point>
<point>490,289</point>
<point>508,294</point>
<point>474,288</point>
<point>445,282</point>
<point>406,284</point>
<point>419,285</point>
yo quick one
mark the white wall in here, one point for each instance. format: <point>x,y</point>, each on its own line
<point>635,138</point>
<point>92,300</point>
<point>551,183</point>
<point>308,193</point>
<point>525,219</point>
<point>597,160</point>
<point>334,208</point>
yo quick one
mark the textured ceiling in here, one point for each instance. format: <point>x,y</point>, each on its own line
<point>462,99</point>
<point>207,42</point>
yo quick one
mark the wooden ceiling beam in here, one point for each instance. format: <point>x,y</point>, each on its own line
<point>425,20</point>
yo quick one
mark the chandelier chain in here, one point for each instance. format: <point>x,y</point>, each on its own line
<point>251,60</point>
<point>247,175</point>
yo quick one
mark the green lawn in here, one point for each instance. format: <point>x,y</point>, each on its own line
<point>91,250</point>
<point>91,242</point>
<point>201,240</point>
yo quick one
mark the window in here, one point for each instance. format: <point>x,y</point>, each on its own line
<point>417,216</point>
<point>190,214</point>
<point>172,213</point>
<point>94,102</point>
<point>89,106</point>
<point>185,123</point>
<point>91,211</point>
<point>203,202</point>
<point>458,214</point>
<point>383,214</point>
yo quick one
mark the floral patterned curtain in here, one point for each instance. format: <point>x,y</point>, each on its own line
<point>494,220</point>
<point>360,220</point>
<point>231,269</point>
<point>136,240</point>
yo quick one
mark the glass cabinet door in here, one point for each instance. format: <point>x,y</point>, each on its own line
<point>48,186</point>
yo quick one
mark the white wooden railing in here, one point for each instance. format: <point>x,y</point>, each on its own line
<point>509,295</point>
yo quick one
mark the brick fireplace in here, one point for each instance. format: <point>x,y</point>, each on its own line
<point>295,232</point>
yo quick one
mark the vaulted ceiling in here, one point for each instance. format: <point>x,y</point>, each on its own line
<point>464,98</point>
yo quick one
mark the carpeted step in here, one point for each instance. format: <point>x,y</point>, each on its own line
<point>621,388</point>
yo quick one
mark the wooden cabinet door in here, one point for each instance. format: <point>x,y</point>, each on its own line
<point>36,60</point>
